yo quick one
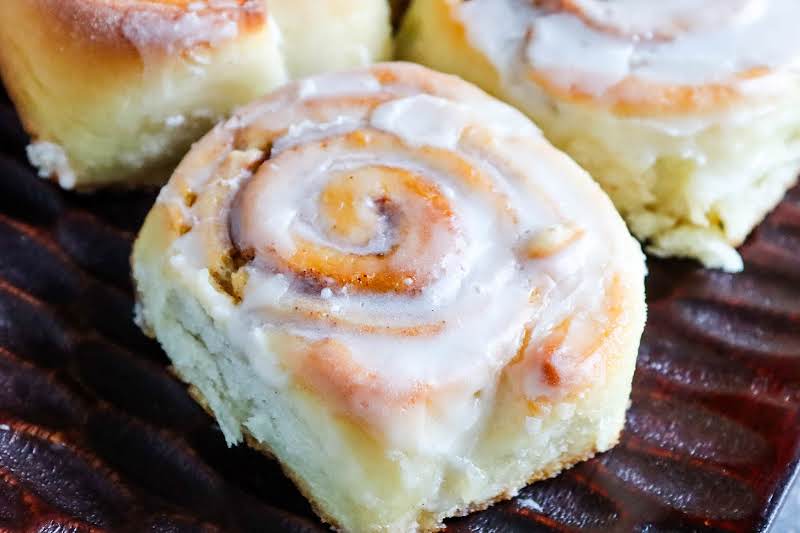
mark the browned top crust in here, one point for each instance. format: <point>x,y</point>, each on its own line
<point>156,25</point>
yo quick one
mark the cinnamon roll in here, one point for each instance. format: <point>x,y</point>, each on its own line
<point>392,283</point>
<point>114,91</point>
<point>687,113</point>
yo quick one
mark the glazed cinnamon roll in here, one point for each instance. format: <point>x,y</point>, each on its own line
<point>685,112</point>
<point>114,91</point>
<point>392,283</point>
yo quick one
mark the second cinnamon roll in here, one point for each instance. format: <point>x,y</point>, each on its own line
<point>685,112</point>
<point>113,92</point>
<point>391,281</point>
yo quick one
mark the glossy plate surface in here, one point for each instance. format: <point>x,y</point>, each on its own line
<point>95,434</point>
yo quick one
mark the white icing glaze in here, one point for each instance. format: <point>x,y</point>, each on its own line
<point>151,29</point>
<point>155,27</point>
<point>470,281</point>
<point>423,119</point>
<point>598,44</point>
<point>336,85</point>
<point>637,18</point>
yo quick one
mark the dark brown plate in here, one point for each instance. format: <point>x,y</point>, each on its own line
<point>95,435</point>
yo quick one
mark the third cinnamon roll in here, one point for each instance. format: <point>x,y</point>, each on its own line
<point>686,113</point>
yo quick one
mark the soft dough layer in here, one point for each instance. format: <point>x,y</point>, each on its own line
<point>391,281</point>
<point>114,91</point>
<point>687,115</point>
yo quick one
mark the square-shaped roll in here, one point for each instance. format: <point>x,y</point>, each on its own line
<point>392,283</point>
<point>113,92</point>
<point>687,113</point>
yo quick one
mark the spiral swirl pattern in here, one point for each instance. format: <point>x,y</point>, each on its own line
<point>640,20</point>
<point>640,58</point>
<point>402,240</point>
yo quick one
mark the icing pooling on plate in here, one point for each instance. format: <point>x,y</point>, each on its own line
<point>400,247</point>
<point>593,45</point>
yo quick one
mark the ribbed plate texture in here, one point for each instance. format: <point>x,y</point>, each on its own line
<point>96,435</point>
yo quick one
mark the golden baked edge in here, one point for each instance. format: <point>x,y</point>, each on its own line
<point>556,468</point>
